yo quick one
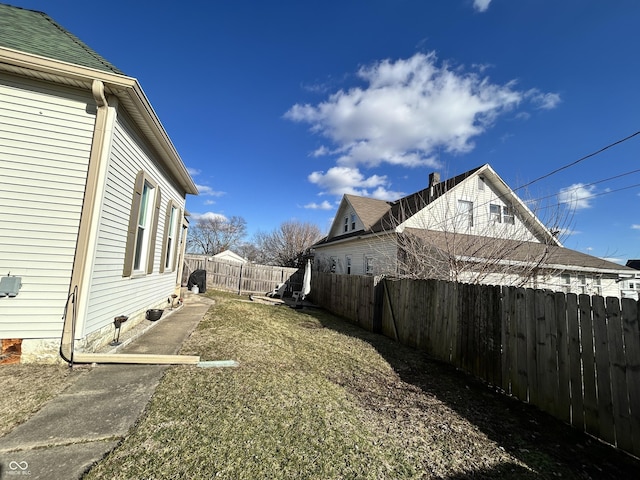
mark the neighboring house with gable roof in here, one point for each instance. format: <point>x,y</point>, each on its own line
<point>92,194</point>
<point>471,228</point>
<point>631,287</point>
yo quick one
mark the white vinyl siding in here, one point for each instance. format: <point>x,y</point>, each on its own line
<point>361,251</point>
<point>45,141</point>
<point>111,293</point>
<point>443,214</point>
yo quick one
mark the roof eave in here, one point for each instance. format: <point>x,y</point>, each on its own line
<point>127,89</point>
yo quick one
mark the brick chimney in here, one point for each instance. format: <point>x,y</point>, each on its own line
<point>434,178</point>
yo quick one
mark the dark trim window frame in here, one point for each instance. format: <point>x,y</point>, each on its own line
<point>143,226</point>
<point>170,238</point>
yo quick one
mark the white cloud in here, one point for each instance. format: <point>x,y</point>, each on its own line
<point>207,190</point>
<point>207,215</point>
<point>409,109</point>
<point>578,195</point>
<point>481,5</point>
<point>635,226</point>
<point>543,101</point>
<point>319,206</point>
<point>209,202</point>
<point>193,171</point>
<point>341,180</point>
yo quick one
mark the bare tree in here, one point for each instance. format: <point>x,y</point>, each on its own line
<point>286,245</point>
<point>212,235</point>
<point>251,252</point>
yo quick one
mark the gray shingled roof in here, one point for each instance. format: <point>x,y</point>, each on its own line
<point>35,32</point>
<point>369,210</point>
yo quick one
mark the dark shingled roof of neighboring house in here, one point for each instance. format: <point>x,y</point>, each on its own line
<point>36,33</point>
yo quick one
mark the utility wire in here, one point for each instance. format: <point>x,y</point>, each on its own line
<point>564,167</point>
<point>583,185</point>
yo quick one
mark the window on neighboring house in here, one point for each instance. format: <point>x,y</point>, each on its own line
<point>566,282</point>
<point>465,213</point>
<point>353,221</point>
<point>597,282</point>
<point>348,263</point>
<point>169,247</point>
<point>508,215</point>
<point>368,265</point>
<point>334,264</point>
<point>143,225</point>
<point>582,281</point>
<point>481,183</point>
<point>346,224</point>
<point>495,213</point>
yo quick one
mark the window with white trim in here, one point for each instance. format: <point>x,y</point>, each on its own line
<point>465,213</point>
<point>353,221</point>
<point>348,263</point>
<point>495,213</point>
<point>566,282</point>
<point>368,265</point>
<point>597,282</point>
<point>170,239</point>
<point>508,216</point>
<point>582,282</point>
<point>144,228</point>
<point>346,224</point>
<point>143,225</point>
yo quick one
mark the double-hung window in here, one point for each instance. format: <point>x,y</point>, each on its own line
<point>368,265</point>
<point>495,213</point>
<point>465,213</point>
<point>143,225</point>
<point>170,242</point>
<point>508,216</point>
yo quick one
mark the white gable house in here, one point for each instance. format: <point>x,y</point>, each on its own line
<point>471,228</point>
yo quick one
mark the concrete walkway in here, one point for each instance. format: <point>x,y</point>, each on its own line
<point>86,421</point>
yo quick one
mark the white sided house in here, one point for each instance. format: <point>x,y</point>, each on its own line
<point>92,195</point>
<point>471,228</point>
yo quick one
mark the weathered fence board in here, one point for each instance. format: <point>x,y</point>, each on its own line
<point>603,371</point>
<point>575,364</point>
<point>563,405</point>
<point>242,278</point>
<point>619,390</point>
<point>631,334</point>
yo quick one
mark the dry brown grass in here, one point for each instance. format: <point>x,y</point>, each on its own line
<point>25,388</point>
<point>315,397</point>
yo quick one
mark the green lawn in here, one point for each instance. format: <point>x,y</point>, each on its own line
<point>317,398</point>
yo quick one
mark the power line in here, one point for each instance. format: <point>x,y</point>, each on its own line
<point>564,167</point>
<point>583,185</point>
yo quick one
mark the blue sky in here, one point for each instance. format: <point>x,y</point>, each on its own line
<point>278,108</point>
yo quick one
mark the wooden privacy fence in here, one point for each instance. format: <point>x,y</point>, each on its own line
<point>574,356</point>
<point>242,278</point>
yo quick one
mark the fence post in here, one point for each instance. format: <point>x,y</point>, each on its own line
<point>240,281</point>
